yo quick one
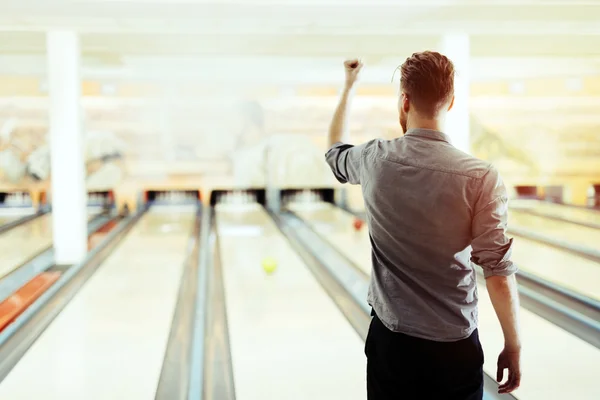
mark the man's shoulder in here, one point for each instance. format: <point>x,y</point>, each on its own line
<point>445,158</point>
<point>467,164</point>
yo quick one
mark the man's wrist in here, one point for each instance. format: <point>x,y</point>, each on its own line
<point>513,346</point>
<point>349,87</point>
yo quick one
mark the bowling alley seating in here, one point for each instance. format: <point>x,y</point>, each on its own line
<point>525,192</point>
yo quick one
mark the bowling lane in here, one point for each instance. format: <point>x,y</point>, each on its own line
<point>555,363</point>
<point>567,232</point>
<point>571,271</point>
<point>109,341</point>
<point>25,241</point>
<point>557,210</point>
<point>288,339</point>
<point>576,273</point>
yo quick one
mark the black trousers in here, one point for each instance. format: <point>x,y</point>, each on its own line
<point>402,367</point>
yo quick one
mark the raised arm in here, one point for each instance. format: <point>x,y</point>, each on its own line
<point>338,129</point>
<point>491,251</point>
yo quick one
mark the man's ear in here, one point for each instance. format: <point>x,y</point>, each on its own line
<point>405,102</point>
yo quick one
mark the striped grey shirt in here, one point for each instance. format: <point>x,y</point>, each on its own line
<point>433,211</point>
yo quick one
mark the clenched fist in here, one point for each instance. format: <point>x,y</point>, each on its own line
<point>352,68</point>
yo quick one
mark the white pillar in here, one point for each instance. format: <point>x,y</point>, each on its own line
<point>69,215</point>
<point>457,48</point>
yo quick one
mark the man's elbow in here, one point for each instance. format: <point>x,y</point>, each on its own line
<point>495,267</point>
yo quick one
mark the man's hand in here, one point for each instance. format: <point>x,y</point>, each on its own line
<point>509,359</point>
<point>352,68</point>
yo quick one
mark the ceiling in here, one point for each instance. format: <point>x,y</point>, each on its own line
<point>147,38</point>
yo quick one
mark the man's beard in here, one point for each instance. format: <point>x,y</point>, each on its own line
<point>403,123</point>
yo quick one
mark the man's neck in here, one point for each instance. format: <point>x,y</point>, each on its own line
<point>423,123</point>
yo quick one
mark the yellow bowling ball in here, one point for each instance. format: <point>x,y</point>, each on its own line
<point>269,265</point>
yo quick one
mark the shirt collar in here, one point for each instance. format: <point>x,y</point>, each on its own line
<point>429,134</point>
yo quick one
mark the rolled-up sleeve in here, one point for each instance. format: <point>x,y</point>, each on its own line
<point>491,247</point>
<point>345,162</point>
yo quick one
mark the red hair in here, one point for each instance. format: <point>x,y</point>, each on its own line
<point>428,80</point>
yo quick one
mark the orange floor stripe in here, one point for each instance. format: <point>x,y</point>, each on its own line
<point>13,306</point>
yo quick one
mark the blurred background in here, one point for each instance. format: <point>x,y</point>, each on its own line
<point>212,102</point>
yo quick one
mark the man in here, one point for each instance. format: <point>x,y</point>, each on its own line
<point>432,212</point>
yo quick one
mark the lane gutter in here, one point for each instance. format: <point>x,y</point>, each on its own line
<point>557,218</point>
<point>211,373</point>
<point>174,377</point>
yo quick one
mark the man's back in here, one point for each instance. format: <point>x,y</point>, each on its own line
<point>433,212</point>
<point>422,196</point>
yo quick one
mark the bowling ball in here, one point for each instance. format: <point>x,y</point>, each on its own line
<point>358,224</point>
<point>269,265</point>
